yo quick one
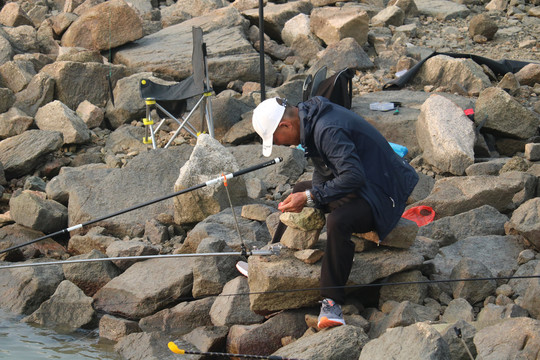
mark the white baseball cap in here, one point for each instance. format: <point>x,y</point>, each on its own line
<point>266,118</point>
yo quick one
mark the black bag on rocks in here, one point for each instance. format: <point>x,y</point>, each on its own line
<point>338,88</point>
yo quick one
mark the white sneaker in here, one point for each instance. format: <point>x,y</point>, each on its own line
<point>242,267</point>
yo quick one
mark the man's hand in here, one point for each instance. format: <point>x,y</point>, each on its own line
<point>293,203</point>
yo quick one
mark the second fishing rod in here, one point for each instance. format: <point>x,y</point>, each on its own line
<point>214,181</point>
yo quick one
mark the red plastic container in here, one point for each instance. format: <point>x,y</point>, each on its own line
<point>421,215</point>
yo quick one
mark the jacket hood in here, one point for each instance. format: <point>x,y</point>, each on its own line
<point>309,111</point>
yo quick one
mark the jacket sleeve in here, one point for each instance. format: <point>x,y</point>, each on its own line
<point>340,154</point>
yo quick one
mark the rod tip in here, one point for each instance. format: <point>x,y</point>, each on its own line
<point>175,349</point>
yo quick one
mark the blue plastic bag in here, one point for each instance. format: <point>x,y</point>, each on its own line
<point>399,149</point>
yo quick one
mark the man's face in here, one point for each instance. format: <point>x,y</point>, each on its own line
<point>288,130</point>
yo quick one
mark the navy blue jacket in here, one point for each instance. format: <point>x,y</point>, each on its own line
<point>351,156</point>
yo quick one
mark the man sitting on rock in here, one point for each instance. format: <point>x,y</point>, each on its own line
<point>358,179</point>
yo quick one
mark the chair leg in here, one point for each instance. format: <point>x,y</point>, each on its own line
<point>148,123</point>
<point>183,124</point>
<point>208,115</point>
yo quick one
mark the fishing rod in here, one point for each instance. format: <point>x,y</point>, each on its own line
<point>274,250</point>
<point>208,183</point>
<point>175,349</point>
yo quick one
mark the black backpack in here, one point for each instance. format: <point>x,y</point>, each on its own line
<point>337,88</point>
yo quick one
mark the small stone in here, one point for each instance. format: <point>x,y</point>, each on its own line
<point>525,256</point>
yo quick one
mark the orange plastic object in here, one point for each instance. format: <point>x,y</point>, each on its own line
<point>421,215</point>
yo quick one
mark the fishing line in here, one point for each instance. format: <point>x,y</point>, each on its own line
<point>285,291</point>
<point>214,181</point>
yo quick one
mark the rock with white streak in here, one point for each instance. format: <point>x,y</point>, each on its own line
<point>446,135</point>
<point>208,159</point>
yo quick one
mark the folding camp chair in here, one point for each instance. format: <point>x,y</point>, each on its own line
<point>170,101</point>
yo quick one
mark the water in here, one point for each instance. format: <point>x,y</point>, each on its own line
<point>23,341</point>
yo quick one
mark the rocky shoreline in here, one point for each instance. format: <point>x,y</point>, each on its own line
<point>69,155</point>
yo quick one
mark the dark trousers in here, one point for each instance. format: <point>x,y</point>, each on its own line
<point>348,215</point>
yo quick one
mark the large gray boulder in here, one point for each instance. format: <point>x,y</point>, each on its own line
<point>208,160</point>
<point>295,27</point>
<point>7,98</point>
<point>391,15</point>
<point>525,221</point>
<point>67,309</point>
<point>150,346</point>
<point>344,342</point>
<point>417,341</point>
<point>485,220</point>
<point>346,53</point>
<point>511,338</point>
<point>32,209</point>
<point>71,86</point>
<point>529,75</point>
<point>287,272</point>
<point>415,293</point>
<point>129,248</point>
<point>22,154</point>
<point>455,195</point>
<point>286,171</point>
<point>13,14</point>
<point>442,70</point>
<point>333,24</point>
<point>473,292</point>
<point>14,234</point>
<point>6,50</point>
<point>401,314</point>
<point>276,15</point>
<point>222,226</point>
<point>90,276</point>
<point>23,38</point>
<point>146,287</point>
<point>99,192</point>
<point>180,319</point>
<point>446,135</point>
<point>39,92</point>
<point>531,299</point>
<point>14,122</point>
<point>504,114</point>
<point>230,54</point>
<point>17,74</point>
<point>442,9</point>
<point>232,309</point>
<point>56,116</point>
<point>94,30</point>
<point>497,253</point>
<point>265,338</point>
<point>22,290</point>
